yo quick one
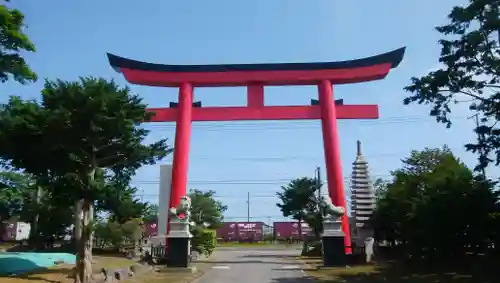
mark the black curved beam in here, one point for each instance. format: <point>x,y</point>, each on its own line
<point>394,58</point>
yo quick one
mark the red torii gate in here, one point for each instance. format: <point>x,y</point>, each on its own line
<point>255,77</point>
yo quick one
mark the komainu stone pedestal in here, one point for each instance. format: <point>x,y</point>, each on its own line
<point>333,243</point>
<point>179,244</point>
<point>178,255</point>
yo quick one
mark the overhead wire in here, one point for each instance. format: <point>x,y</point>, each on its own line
<point>270,125</point>
<point>294,124</point>
<point>242,181</point>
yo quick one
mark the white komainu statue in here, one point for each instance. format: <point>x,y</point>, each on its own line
<point>330,210</point>
<point>184,207</point>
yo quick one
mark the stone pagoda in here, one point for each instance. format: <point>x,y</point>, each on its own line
<point>362,199</point>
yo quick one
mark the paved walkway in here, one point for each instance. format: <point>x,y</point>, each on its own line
<point>255,265</point>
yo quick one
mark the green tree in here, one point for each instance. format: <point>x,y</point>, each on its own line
<point>205,209</point>
<point>204,240</point>
<point>13,41</point>
<point>120,202</point>
<point>120,235</point>
<point>469,73</point>
<point>206,213</point>
<point>380,186</point>
<point>435,206</point>
<point>300,201</point>
<point>54,217</point>
<point>151,213</point>
<point>78,128</point>
<point>15,191</point>
<point>23,198</point>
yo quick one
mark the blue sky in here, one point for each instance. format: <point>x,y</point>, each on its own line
<point>234,158</point>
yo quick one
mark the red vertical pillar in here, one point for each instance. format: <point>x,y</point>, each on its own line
<point>181,145</point>
<point>332,153</point>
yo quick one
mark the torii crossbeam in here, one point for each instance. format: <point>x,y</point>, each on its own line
<point>255,77</point>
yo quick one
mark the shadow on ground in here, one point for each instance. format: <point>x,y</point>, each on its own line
<point>391,272</point>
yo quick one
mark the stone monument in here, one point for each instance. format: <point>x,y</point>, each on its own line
<point>362,203</point>
<point>333,236</point>
<point>179,236</point>
<point>160,239</point>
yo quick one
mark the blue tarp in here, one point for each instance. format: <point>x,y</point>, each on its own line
<point>17,263</point>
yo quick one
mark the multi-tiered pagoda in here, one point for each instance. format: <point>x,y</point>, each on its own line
<point>362,198</point>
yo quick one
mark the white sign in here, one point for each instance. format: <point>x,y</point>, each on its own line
<point>247,226</point>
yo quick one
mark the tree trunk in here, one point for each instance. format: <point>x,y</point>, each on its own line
<point>302,238</point>
<point>77,229</point>
<point>91,220</point>
<point>34,237</point>
<point>84,254</point>
<point>300,229</point>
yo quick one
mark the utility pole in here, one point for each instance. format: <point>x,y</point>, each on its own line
<point>480,138</point>
<point>318,186</point>
<point>318,180</point>
<point>248,207</point>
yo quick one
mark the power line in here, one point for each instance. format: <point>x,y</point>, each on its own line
<point>243,181</point>
<point>233,196</point>
<point>296,124</point>
<point>248,206</point>
<point>281,158</point>
<point>290,158</point>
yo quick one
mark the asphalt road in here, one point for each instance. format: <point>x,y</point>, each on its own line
<point>252,265</point>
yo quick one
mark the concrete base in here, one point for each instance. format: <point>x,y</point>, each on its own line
<point>334,251</point>
<point>178,252</point>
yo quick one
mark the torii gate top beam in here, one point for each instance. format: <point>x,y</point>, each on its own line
<point>340,72</point>
<point>255,77</point>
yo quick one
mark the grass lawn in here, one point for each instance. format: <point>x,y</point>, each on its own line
<point>62,273</point>
<point>478,270</point>
<point>6,245</point>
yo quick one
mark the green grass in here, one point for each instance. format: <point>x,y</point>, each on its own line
<point>7,245</point>
<point>477,270</point>
<point>63,273</point>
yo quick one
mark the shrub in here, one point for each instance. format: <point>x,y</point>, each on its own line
<point>204,241</point>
